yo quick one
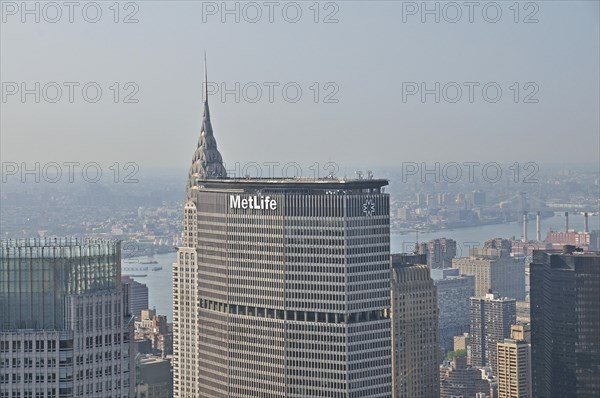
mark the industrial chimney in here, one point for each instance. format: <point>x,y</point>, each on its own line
<point>585,222</point>
<point>538,235</point>
<point>567,220</point>
<point>524,226</point>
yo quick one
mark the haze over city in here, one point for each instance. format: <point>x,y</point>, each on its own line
<point>292,199</point>
<point>370,53</point>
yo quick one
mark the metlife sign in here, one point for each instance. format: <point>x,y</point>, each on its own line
<point>252,202</point>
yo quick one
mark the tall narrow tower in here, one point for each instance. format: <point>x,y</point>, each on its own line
<point>206,163</point>
<point>415,344</point>
<point>491,319</point>
<point>565,319</point>
<point>282,286</point>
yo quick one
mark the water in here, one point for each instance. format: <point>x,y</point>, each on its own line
<point>161,292</point>
<point>160,288</point>
<point>476,236</point>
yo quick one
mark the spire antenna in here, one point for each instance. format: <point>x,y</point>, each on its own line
<point>205,79</point>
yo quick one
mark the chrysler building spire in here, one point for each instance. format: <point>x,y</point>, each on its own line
<point>207,161</point>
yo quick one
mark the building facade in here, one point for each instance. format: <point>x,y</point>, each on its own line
<point>514,364</point>
<point>154,379</point>
<point>494,270</point>
<point>415,358</point>
<point>155,330</point>
<point>457,379</point>
<point>565,320</point>
<point>439,252</point>
<point>281,287</point>
<point>453,294</point>
<point>491,320</point>
<point>138,295</point>
<point>65,325</point>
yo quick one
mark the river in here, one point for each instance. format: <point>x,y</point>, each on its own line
<point>161,292</point>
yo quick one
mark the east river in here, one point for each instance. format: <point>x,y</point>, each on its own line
<point>161,292</point>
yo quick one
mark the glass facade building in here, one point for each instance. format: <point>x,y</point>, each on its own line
<point>565,320</point>
<point>65,324</point>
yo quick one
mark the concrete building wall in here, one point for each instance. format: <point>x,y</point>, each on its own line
<point>502,275</point>
<point>292,301</point>
<point>414,332</point>
<point>453,294</point>
<point>491,320</point>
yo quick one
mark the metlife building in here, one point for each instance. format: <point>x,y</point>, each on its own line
<point>282,287</point>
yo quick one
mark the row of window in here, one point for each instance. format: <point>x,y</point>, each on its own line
<point>27,346</point>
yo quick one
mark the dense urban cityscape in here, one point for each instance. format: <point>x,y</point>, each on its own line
<point>377,277</point>
<point>444,325</point>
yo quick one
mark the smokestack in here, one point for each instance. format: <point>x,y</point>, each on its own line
<point>567,220</point>
<point>538,235</point>
<point>585,222</point>
<point>524,226</point>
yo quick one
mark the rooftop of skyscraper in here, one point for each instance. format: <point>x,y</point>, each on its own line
<point>337,185</point>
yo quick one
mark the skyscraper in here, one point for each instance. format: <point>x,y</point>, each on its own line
<point>494,269</point>
<point>138,295</point>
<point>457,379</point>
<point>282,286</point>
<point>491,319</point>
<point>440,252</point>
<point>453,298</point>
<point>153,377</point>
<point>415,358</point>
<point>65,325</point>
<point>565,320</point>
<point>514,364</point>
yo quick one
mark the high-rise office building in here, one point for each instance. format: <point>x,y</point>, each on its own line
<point>514,364</point>
<point>491,319</point>
<point>453,294</point>
<point>282,286</point>
<point>415,358</point>
<point>65,325</point>
<point>565,320</point>
<point>457,379</point>
<point>440,252</point>
<point>138,295</point>
<point>154,379</point>
<point>494,269</point>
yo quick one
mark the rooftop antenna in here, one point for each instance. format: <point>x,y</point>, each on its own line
<point>205,79</point>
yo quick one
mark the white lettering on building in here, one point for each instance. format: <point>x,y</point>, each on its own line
<point>252,202</point>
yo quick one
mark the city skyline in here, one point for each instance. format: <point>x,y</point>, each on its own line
<point>403,201</point>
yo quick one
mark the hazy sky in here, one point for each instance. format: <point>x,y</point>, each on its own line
<point>370,61</point>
